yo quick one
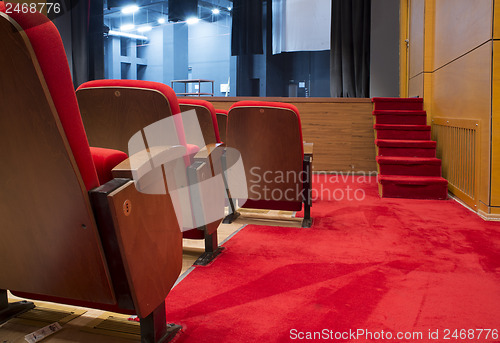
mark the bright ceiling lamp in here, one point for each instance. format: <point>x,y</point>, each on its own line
<point>145,28</point>
<point>130,9</point>
<point>127,27</point>
<point>216,11</point>
<point>192,20</point>
<point>161,21</point>
<point>229,8</point>
<point>127,35</point>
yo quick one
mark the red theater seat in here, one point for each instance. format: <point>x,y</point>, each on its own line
<point>268,136</point>
<point>65,237</point>
<point>206,116</point>
<point>113,111</point>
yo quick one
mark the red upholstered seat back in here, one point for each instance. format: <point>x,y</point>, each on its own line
<point>2,6</point>
<point>207,105</point>
<point>49,51</point>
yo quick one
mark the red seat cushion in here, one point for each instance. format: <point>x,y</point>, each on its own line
<point>49,50</point>
<point>105,160</point>
<point>283,105</point>
<point>210,107</point>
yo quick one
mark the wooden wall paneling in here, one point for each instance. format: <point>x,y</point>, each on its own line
<point>416,34</point>
<point>460,26</point>
<point>341,130</point>
<point>331,133</point>
<point>462,90</point>
<point>429,33</point>
<point>495,129</point>
<point>416,86</point>
<point>403,48</point>
<point>427,91</point>
<point>496,19</point>
<point>429,24</point>
<point>334,127</point>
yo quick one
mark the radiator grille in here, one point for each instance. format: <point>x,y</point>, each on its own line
<point>458,148</point>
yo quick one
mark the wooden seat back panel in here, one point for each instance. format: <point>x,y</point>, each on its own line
<point>125,110</point>
<point>222,124</point>
<point>205,121</point>
<point>48,238</point>
<point>268,141</point>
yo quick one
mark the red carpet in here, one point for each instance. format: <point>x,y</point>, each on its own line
<point>377,264</point>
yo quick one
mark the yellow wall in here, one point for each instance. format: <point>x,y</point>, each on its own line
<point>454,63</point>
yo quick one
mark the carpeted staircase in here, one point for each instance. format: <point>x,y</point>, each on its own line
<point>406,156</point>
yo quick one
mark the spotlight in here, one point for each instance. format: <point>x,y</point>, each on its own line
<point>192,20</point>
<point>216,11</point>
<point>127,35</point>
<point>161,21</point>
<point>127,27</point>
<point>229,8</point>
<point>130,9</point>
<point>145,28</point>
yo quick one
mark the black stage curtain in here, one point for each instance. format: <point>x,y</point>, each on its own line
<point>246,37</point>
<point>87,41</point>
<point>350,49</point>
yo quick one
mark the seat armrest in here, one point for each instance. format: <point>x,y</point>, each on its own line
<point>142,162</point>
<point>207,151</point>
<point>308,149</point>
<point>141,231</point>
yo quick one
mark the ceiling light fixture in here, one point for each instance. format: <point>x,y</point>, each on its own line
<point>192,20</point>
<point>127,27</point>
<point>161,21</point>
<point>130,9</point>
<point>127,35</point>
<point>145,28</point>
<point>216,11</point>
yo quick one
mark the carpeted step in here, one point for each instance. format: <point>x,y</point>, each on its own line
<point>412,132</point>
<point>398,104</point>
<point>409,166</point>
<point>399,117</point>
<point>413,187</point>
<point>405,148</point>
